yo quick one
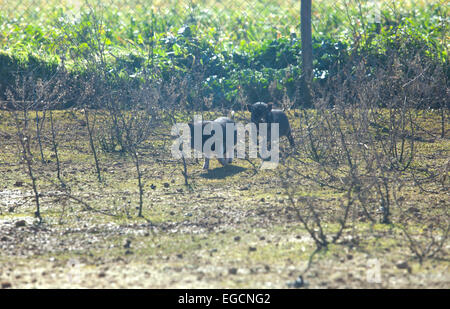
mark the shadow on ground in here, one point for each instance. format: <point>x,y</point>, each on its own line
<point>223,172</point>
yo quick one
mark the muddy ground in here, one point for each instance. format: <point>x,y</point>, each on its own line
<point>233,228</point>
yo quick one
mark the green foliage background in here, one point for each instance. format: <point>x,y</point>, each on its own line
<point>234,45</point>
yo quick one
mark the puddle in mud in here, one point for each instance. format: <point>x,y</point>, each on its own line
<point>12,197</point>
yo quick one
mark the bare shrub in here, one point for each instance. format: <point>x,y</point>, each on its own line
<point>31,94</point>
<point>425,230</point>
<point>359,142</point>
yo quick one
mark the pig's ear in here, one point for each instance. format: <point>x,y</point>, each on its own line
<point>269,107</point>
<point>250,107</point>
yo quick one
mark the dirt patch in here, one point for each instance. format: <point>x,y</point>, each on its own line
<point>233,228</point>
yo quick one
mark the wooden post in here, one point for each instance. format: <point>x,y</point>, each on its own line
<point>306,37</point>
<point>307,56</point>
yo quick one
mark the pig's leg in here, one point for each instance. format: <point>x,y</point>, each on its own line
<point>206,164</point>
<point>229,156</point>
<point>291,139</point>
<point>222,158</point>
<point>222,161</point>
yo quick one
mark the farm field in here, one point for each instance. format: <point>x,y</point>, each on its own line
<point>235,229</point>
<point>91,196</point>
